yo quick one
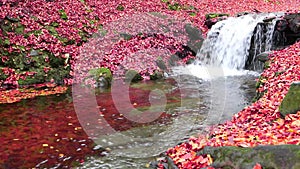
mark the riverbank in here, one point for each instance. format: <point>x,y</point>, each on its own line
<point>258,124</point>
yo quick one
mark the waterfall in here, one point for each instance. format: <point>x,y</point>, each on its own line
<point>228,42</point>
<point>262,41</point>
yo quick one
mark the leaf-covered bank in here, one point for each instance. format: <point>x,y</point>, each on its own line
<point>261,123</point>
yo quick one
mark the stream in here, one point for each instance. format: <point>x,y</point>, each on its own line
<point>204,103</point>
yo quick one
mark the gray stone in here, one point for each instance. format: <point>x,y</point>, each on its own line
<point>263,57</point>
<point>33,53</point>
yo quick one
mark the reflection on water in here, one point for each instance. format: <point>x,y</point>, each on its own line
<point>45,132</point>
<point>203,103</point>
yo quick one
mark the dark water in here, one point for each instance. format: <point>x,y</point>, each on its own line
<point>50,132</point>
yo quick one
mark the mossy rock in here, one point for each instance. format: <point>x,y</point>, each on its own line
<point>126,36</point>
<point>269,156</point>
<point>132,76</point>
<point>38,77</point>
<point>291,102</point>
<point>215,15</point>
<point>157,75</point>
<point>102,75</point>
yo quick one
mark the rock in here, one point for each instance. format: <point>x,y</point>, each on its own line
<point>193,33</point>
<point>269,156</point>
<point>269,19</point>
<point>241,14</point>
<point>132,76</point>
<point>213,18</point>
<point>263,57</point>
<point>294,22</point>
<point>103,76</point>
<point>165,161</point>
<point>195,39</point>
<point>195,45</point>
<point>291,102</point>
<point>286,32</point>
<point>34,53</point>
<point>281,25</point>
<point>215,15</point>
<point>161,64</point>
<point>157,75</point>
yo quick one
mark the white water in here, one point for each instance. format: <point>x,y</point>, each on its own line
<point>225,50</point>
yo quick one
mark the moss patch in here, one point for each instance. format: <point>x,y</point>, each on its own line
<point>291,102</point>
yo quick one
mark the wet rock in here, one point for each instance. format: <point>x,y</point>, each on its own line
<point>166,162</point>
<point>213,18</point>
<point>294,22</point>
<point>161,64</point>
<point>103,77</point>
<point>132,76</point>
<point>269,156</point>
<point>269,19</point>
<point>157,75</point>
<point>291,102</point>
<point>185,52</point>
<point>263,57</point>
<point>241,14</point>
<point>286,32</point>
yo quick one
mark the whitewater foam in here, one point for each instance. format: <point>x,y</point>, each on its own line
<point>225,50</point>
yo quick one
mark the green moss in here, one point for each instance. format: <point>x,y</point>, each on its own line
<point>269,156</point>
<point>35,32</point>
<point>19,29</point>
<point>55,24</point>
<point>52,30</point>
<point>6,42</point>
<point>291,102</point>
<point>126,36</point>
<point>2,75</point>
<point>267,64</point>
<point>97,73</point>
<point>63,14</point>
<point>58,74</point>
<point>174,7</point>
<point>38,77</point>
<point>156,75</point>
<point>192,14</point>
<point>31,80</point>
<point>215,15</point>
<point>120,8</point>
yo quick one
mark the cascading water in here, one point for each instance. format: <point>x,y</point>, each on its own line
<point>262,41</point>
<point>228,42</point>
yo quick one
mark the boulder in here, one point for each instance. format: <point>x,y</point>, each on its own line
<point>268,156</point>
<point>132,76</point>
<point>291,102</point>
<point>263,57</point>
<point>102,76</point>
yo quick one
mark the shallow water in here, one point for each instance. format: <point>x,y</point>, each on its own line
<point>49,132</point>
<point>203,103</point>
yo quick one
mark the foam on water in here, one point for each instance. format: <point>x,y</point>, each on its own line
<point>210,72</point>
